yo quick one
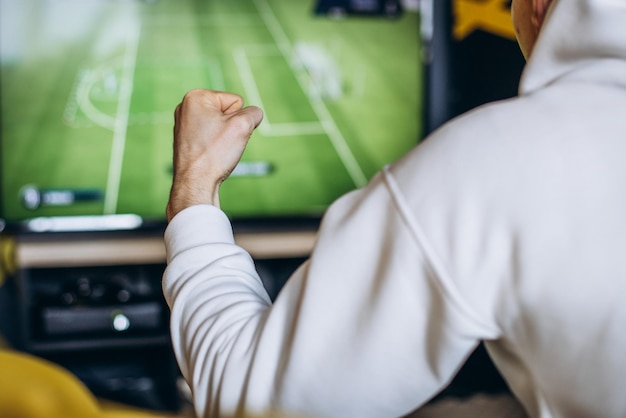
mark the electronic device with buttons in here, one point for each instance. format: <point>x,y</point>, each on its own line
<point>103,303</point>
<point>108,324</point>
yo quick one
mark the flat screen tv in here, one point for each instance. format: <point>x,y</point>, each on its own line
<point>88,89</point>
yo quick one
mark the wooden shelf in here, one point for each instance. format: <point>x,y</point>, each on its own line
<point>94,251</point>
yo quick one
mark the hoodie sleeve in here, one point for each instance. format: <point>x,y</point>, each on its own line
<point>364,328</point>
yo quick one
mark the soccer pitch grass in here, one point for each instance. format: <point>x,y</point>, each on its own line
<point>89,88</point>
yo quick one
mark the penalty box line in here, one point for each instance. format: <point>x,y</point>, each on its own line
<point>325,124</point>
<point>323,114</point>
<point>268,128</point>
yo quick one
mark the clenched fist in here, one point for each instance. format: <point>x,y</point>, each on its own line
<point>211,131</point>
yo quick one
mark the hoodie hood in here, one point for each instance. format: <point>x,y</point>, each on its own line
<point>576,35</point>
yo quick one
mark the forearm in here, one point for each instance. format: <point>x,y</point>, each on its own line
<point>217,302</point>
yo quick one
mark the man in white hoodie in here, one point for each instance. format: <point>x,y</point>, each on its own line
<point>507,225</point>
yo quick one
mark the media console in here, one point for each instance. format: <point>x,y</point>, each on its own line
<point>93,303</point>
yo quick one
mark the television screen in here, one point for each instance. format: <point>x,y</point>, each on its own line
<point>88,89</point>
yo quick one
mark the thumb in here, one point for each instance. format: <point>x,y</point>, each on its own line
<point>252,114</point>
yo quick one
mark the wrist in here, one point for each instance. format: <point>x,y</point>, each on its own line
<point>182,197</point>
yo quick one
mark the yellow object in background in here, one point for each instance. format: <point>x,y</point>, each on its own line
<point>31,387</point>
<point>491,16</point>
<point>34,388</point>
<point>7,258</point>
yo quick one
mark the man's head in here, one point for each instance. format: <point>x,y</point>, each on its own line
<point>528,16</point>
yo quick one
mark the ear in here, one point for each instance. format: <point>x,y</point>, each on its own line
<point>540,8</point>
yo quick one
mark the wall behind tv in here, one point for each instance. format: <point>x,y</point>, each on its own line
<point>473,57</point>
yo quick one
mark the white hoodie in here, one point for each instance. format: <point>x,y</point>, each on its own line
<point>507,225</point>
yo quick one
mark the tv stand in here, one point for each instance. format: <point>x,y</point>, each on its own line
<point>92,302</point>
<point>32,251</point>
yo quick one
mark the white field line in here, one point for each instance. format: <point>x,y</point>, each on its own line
<point>82,97</point>
<point>268,128</point>
<point>333,132</point>
<point>121,121</point>
<point>72,106</point>
<point>205,20</point>
<point>293,129</point>
<point>217,75</point>
<point>243,67</point>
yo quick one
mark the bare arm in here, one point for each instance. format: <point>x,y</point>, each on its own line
<point>210,134</point>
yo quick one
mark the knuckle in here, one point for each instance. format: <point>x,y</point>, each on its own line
<point>193,94</point>
<point>242,125</point>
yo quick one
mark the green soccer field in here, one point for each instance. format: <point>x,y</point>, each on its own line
<point>89,88</point>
